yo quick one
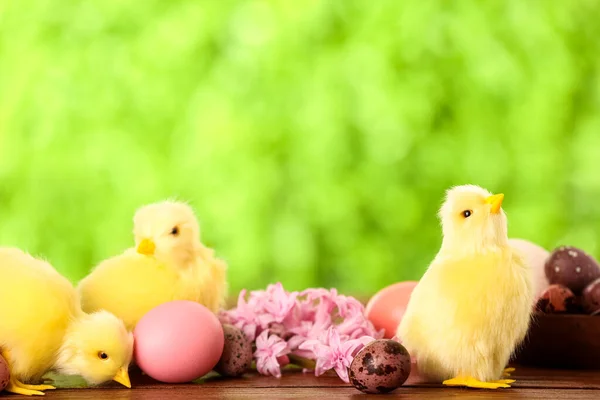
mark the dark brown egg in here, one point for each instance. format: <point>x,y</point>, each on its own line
<point>380,367</point>
<point>591,298</point>
<point>557,299</point>
<point>237,353</point>
<point>571,267</point>
<point>4,374</point>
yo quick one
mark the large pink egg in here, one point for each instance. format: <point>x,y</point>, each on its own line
<point>536,257</point>
<point>178,342</point>
<point>386,309</point>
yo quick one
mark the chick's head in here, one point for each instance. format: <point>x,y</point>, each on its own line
<point>167,230</point>
<point>97,347</point>
<point>472,218</point>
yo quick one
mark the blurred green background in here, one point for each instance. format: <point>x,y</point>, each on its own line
<point>315,139</point>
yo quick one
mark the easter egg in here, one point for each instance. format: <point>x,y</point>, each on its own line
<point>536,257</point>
<point>380,367</point>
<point>571,267</point>
<point>591,297</point>
<point>237,353</point>
<point>4,374</point>
<point>557,299</point>
<point>178,341</point>
<point>386,308</point>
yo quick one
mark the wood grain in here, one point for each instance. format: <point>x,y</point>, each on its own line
<point>199,392</point>
<point>531,383</point>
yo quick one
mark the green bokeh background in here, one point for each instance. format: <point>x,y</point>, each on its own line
<point>315,138</point>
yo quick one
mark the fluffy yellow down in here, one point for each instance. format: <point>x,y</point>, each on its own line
<point>472,307</point>
<point>168,263</point>
<point>42,328</point>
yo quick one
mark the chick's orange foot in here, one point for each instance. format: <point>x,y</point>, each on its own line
<point>507,371</point>
<point>504,381</point>
<point>477,384</point>
<point>17,387</point>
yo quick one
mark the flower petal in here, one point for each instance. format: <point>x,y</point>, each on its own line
<point>342,372</point>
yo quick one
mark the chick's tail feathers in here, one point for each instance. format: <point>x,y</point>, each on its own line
<point>214,281</point>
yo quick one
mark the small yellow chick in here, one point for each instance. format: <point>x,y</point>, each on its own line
<point>43,328</point>
<point>473,305</point>
<point>168,263</point>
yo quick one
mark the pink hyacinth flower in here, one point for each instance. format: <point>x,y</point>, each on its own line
<point>309,330</point>
<point>348,307</point>
<point>268,350</point>
<point>244,317</point>
<point>332,353</point>
<point>277,305</point>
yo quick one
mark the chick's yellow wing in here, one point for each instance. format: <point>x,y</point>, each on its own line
<point>128,286</point>
<point>37,305</point>
<point>465,292</point>
<point>465,312</point>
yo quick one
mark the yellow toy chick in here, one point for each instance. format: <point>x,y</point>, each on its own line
<point>473,305</point>
<point>42,328</point>
<point>168,263</point>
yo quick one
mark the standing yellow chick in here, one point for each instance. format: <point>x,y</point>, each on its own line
<point>168,263</point>
<point>473,305</point>
<point>42,328</point>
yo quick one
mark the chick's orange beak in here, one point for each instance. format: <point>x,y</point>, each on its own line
<point>146,247</point>
<point>496,202</point>
<point>123,377</point>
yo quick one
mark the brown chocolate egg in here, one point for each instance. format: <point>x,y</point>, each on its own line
<point>591,298</point>
<point>571,267</point>
<point>4,374</point>
<point>380,367</point>
<point>237,353</point>
<point>557,299</point>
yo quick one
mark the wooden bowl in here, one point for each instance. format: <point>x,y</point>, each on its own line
<point>568,341</point>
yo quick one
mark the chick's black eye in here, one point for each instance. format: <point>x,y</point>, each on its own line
<point>175,231</point>
<point>102,355</point>
<point>467,213</point>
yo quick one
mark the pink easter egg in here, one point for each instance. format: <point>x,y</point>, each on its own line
<point>387,307</point>
<point>178,342</point>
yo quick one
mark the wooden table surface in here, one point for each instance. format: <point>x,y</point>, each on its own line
<point>531,384</point>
